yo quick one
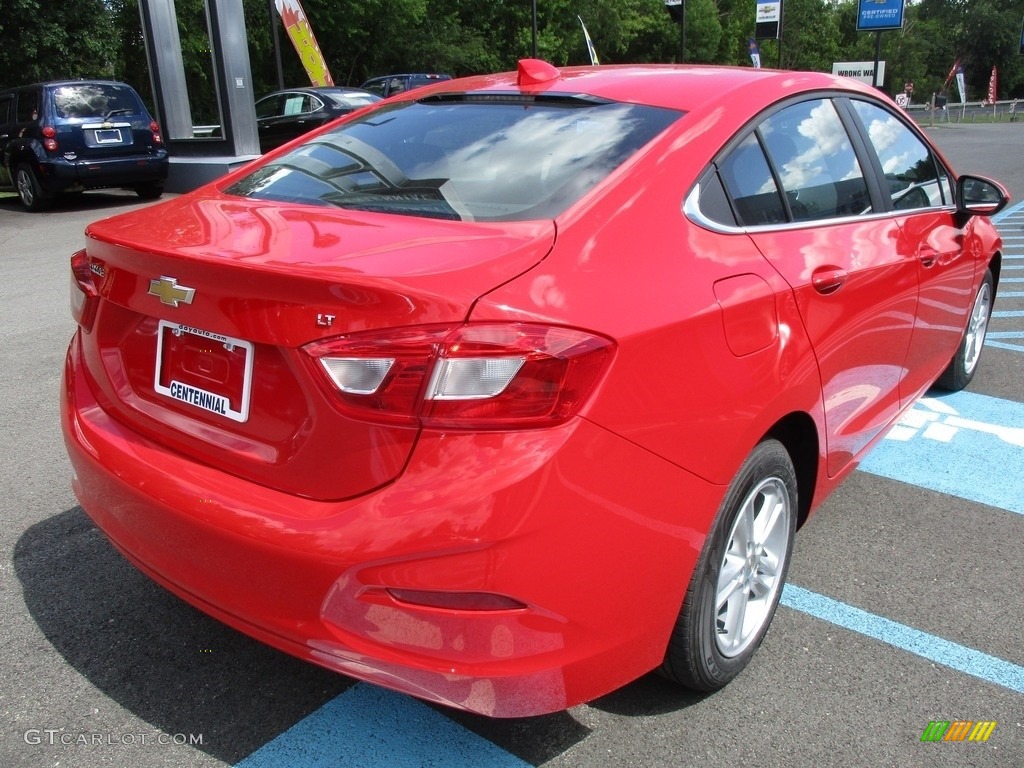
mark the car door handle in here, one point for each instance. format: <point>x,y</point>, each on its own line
<point>930,255</point>
<point>827,280</point>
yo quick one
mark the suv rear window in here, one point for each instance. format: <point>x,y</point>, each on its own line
<point>95,100</point>
<point>474,157</point>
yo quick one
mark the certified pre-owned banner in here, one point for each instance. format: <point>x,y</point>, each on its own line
<point>879,14</point>
<point>302,38</point>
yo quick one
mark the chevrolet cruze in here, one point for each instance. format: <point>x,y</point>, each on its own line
<point>509,390</point>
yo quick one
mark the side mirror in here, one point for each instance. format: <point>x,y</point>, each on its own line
<point>978,196</point>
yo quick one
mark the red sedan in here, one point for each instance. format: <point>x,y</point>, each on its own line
<point>508,391</point>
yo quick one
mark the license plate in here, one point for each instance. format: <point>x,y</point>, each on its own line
<point>108,136</point>
<point>205,370</point>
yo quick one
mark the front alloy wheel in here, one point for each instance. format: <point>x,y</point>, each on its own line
<point>736,585</point>
<point>961,368</point>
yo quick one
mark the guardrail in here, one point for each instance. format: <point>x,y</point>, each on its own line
<point>969,112</point>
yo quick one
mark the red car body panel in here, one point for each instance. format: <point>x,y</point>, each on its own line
<point>306,524</point>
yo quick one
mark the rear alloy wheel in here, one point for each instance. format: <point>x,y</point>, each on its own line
<point>30,191</point>
<point>961,368</point>
<point>738,580</point>
<point>150,191</point>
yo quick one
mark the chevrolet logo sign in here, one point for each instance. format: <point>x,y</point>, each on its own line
<point>169,292</point>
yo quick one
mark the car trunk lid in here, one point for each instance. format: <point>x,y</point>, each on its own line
<point>197,343</point>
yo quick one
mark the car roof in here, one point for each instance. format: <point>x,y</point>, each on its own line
<point>341,90</point>
<point>56,83</point>
<point>426,75</point>
<point>682,87</point>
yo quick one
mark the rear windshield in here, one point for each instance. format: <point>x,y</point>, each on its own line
<point>96,100</point>
<point>475,158</point>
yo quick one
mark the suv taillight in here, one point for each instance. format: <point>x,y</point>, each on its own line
<point>154,127</point>
<point>468,377</point>
<point>49,138</point>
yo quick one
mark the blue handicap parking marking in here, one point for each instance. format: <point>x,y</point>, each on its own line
<point>1012,340</point>
<point>371,727</point>
<point>931,647</point>
<point>1007,332</point>
<point>966,445</point>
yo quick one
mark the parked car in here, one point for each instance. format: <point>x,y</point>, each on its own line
<point>74,135</point>
<point>389,85</point>
<point>285,115</point>
<point>508,392</point>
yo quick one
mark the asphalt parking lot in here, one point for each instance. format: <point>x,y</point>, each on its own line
<point>904,607</point>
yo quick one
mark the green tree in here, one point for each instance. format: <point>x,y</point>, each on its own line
<point>42,41</point>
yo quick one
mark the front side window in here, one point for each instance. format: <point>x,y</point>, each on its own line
<point>913,177</point>
<point>486,157</point>
<point>815,161</point>
<point>271,106</point>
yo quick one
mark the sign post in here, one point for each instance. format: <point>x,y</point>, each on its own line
<point>677,9</point>
<point>876,16</point>
<point>768,23</point>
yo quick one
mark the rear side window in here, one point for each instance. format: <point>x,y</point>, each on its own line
<point>815,162</point>
<point>751,185</point>
<point>6,108</point>
<point>299,104</point>
<point>486,158</point>
<point>96,101</point>
<point>28,105</point>
<point>913,176</point>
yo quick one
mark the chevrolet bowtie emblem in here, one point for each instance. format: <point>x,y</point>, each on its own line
<point>169,292</point>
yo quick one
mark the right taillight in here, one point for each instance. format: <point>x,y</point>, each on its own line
<point>476,377</point>
<point>154,128</point>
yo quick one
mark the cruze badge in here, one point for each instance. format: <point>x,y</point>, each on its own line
<point>169,292</point>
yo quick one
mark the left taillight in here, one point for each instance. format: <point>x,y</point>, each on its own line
<point>50,138</point>
<point>85,295</point>
<point>469,377</point>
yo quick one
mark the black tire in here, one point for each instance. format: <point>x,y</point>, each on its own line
<point>151,191</point>
<point>964,365</point>
<point>30,191</point>
<point>702,653</point>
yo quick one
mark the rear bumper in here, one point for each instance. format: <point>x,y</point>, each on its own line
<point>58,174</point>
<point>596,537</point>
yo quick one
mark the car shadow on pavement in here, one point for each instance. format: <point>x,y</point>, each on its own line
<point>650,695</point>
<point>186,673</point>
<point>153,654</point>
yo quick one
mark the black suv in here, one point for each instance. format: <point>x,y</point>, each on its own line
<point>75,135</point>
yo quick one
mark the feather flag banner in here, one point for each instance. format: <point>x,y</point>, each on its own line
<point>992,88</point>
<point>590,43</point>
<point>755,52</point>
<point>951,75</point>
<point>301,34</point>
